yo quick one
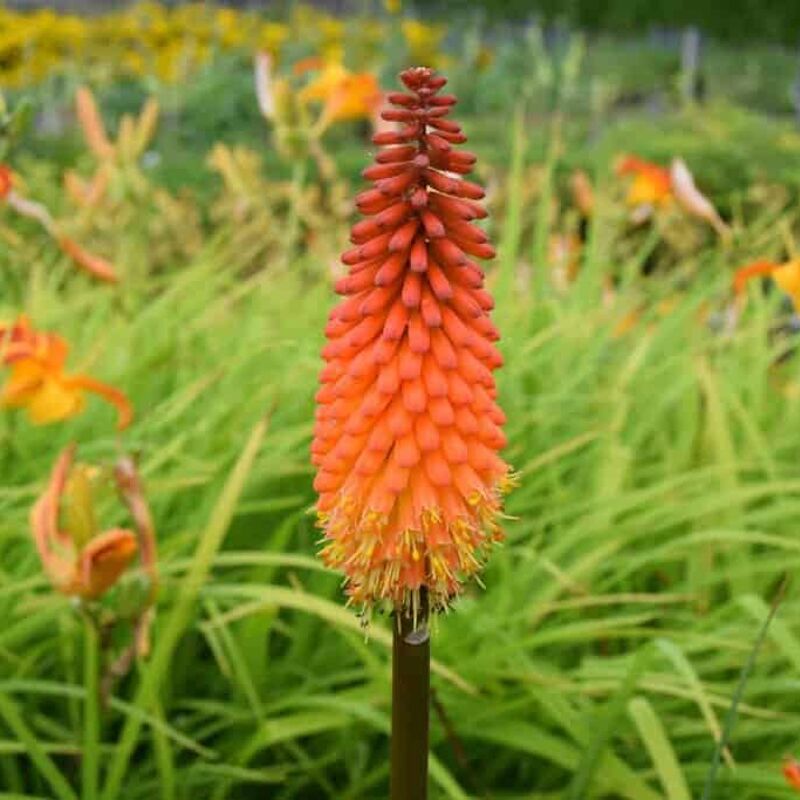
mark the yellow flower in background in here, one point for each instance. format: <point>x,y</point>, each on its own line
<point>271,37</point>
<point>423,41</point>
<point>171,42</point>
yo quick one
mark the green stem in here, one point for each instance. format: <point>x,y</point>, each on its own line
<point>90,763</point>
<point>299,171</point>
<point>411,672</point>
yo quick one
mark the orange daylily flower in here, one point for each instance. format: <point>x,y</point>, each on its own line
<point>345,95</point>
<point>408,429</point>
<point>79,569</point>
<point>651,185</point>
<point>654,186</point>
<point>38,383</point>
<point>786,276</point>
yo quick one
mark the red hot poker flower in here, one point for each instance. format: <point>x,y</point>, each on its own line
<point>408,428</point>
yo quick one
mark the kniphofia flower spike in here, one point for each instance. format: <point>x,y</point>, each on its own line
<point>38,382</point>
<point>408,428</point>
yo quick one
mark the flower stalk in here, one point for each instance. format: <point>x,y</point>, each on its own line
<point>411,672</point>
<point>90,761</point>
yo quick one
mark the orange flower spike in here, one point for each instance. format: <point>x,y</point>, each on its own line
<point>407,427</point>
<point>38,382</point>
<point>791,771</point>
<point>86,570</point>
<point>651,185</point>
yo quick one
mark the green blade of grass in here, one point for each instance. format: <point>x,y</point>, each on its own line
<point>731,716</point>
<point>44,765</point>
<point>659,749</point>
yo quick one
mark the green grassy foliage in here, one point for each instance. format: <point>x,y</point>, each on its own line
<point>657,507</point>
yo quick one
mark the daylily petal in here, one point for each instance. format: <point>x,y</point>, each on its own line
<point>749,271</point>
<point>102,562</point>
<point>54,400</point>
<point>96,266</point>
<point>31,209</point>
<point>263,81</point>
<point>23,382</point>
<point>44,523</point>
<point>130,487</point>
<point>692,199</point>
<point>114,396</point>
<point>787,276</point>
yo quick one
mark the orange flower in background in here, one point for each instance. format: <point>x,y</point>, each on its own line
<point>38,383</point>
<point>79,559</point>
<point>786,276</point>
<point>345,95</point>
<point>651,184</point>
<point>85,569</point>
<point>791,771</point>
<point>408,428</point>
<point>6,181</point>
<point>654,187</point>
<point>90,263</point>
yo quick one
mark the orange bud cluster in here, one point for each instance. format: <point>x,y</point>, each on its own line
<point>408,428</point>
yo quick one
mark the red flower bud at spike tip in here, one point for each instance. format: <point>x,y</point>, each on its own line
<point>407,430</point>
